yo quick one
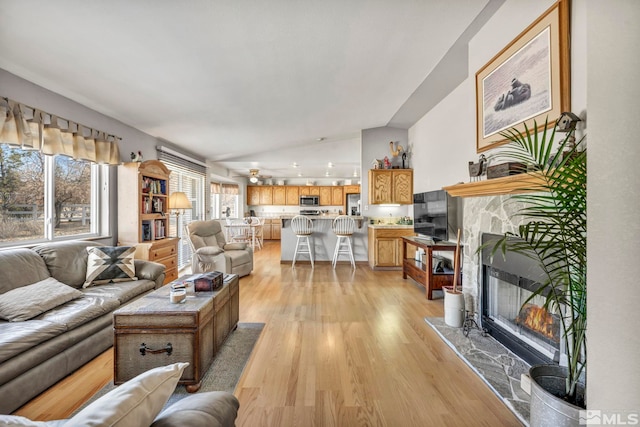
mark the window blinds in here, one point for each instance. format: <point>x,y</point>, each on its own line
<point>189,177</point>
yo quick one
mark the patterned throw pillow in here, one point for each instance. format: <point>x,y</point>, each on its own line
<point>110,264</point>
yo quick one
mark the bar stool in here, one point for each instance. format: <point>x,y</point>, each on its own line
<point>303,229</point>
<point>343,227</point>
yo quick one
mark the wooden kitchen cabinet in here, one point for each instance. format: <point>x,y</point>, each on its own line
<point>289,195</point>
<point>266,195</point>
<point>337,196</point>
<point>292,195</point>
<point>385,247</point>
<point>253,195</point>
<point>351,189</point>
<point>271,229</point>
<point>266,229</point>
<point>387,186</point>
<point>276,228</point>
<point>325,196</point>
<point>279,195</point>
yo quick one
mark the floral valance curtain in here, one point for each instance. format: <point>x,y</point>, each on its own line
<point>215,188</point>
<point>33,129</point>
<point>230,189</point>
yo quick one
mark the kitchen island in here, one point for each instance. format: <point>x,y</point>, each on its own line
<point>324,240</point>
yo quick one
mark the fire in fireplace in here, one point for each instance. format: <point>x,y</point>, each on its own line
<point>510,312</point>
<point>539,321</point>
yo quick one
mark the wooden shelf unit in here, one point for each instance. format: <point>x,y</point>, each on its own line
<point>143,213</point>
<point>498,186</point>
<point>422,272</point>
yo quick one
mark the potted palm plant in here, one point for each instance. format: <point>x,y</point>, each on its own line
<point>553,232</point>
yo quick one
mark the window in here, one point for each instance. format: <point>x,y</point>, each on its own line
<point>188,177</point>
<point>48,197</point>
<point>224,200</point>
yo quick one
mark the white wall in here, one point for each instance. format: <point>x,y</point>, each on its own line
<point>444,140</point>
<point>604,76</point>
<point>375,145</point>
<point>613,91</point>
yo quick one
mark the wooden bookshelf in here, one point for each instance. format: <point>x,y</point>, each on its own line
<point>143,213</point>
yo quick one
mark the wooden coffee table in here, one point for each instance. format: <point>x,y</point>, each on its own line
<point>151,331</point>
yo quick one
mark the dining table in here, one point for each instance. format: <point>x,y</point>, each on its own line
<point>242,232</point>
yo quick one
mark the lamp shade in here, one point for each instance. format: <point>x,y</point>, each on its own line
<point>179,200</point>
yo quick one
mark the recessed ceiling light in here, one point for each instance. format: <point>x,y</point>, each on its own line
<point>299,173</point>
<point>322,138</point>
<point>330,165</point>
<point>326,173</point>
<point>295,165</point>
<point>355,173</point>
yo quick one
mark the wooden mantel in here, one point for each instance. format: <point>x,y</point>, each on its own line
<point>513,184</point>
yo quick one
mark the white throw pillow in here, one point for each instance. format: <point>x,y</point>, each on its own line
<point>134,403</point>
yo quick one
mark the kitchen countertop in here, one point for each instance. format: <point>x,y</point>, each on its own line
<point>398,226</point>
<point>324,216</point>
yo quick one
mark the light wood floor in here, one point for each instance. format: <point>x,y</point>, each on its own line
<point>340,348</point>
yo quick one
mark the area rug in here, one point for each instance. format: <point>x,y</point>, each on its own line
<point>226,369</point>
<point>499,368</point>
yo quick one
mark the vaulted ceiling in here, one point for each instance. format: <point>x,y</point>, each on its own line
<point>251,84</point>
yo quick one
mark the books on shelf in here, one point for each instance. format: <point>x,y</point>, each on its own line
<point>153,230</point>
<point>153,205</point>
<point>159,229</point>
<point>147,234</point>
<point>154,186</point>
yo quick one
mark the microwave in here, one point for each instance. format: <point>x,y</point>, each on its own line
<point>309,201</point>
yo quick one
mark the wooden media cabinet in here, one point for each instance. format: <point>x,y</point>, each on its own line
<point>422,272</point>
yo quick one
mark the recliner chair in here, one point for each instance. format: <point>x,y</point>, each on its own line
<point>211,252</point>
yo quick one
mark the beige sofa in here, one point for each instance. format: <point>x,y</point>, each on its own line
<point>211,252</point>
<point>38,352</point>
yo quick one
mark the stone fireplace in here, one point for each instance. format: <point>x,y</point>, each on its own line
<point>511,313</point>
<point>507,284</point>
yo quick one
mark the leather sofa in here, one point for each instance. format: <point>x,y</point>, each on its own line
<point>211,252</point>
<point>39,352</point>
<point>145,401</point>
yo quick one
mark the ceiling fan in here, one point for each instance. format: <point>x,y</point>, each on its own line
<point>254,174</point>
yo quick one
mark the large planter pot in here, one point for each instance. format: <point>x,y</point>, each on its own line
<point>547,409</point>
<point>453,308</point>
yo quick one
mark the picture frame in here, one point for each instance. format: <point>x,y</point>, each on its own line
<point>527,81</point>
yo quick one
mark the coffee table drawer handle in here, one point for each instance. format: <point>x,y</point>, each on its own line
<point>144,349</point>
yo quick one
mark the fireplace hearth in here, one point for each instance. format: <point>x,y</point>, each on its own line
<point>510,314</point>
